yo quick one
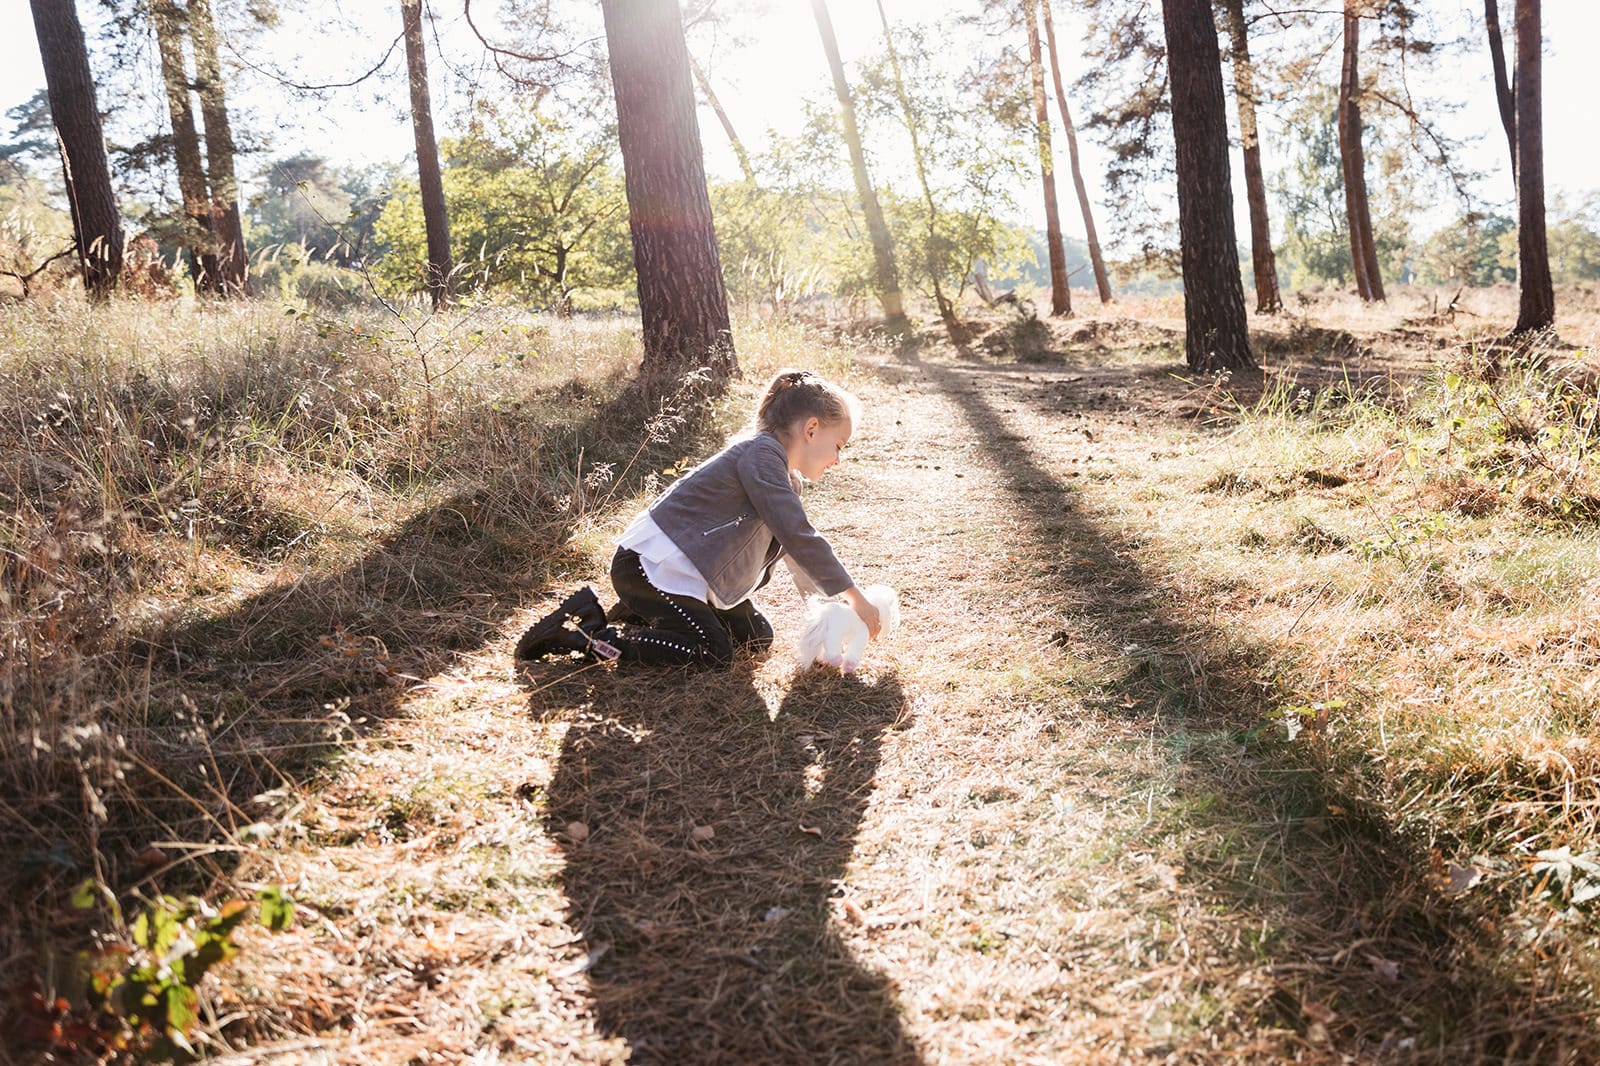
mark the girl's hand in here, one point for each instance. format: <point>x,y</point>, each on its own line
<point>864,610</point>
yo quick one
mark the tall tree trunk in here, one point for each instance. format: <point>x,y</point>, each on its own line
<point>1262,259</point>
<point>1538,309</point>
<point>682,302</point>
<point>435,220</point>
<point>888,276</point>
<point>1060,292</point>
<point>722,117</point>
<point>947,310</point>
<point>199,239</point>
<point>1358,212</point>
<point>232,258</point>
<point>1101,280</point>
<point>1503,93</point>
<point>1216,331</point>
<point>96,223</point>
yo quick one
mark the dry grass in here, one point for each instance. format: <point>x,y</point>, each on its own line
<point>1059,819</point>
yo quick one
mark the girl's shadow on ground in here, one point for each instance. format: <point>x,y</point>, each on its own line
<point>704,840</point>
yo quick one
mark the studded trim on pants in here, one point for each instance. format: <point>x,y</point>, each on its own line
<point>678,630</point>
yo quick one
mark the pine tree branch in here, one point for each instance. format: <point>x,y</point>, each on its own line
<point>290,84</point>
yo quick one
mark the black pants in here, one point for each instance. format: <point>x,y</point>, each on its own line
<point>664,629</point>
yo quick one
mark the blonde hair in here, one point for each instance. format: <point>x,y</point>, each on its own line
<point>797,394</point>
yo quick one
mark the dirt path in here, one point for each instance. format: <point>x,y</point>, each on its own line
<point>1029,832</point>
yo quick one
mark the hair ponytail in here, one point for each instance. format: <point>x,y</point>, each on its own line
<point>797,394</point>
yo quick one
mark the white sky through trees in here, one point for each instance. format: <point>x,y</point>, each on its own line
<point>773,60</point>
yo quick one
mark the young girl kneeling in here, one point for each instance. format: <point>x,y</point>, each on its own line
<point>685,569</point>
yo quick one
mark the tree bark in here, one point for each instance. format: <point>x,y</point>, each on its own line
<point>888,276</point>
<point>1060,291</point>
<point>1102,280</point>
<point>96,222</point>
<point>440,271</point>
<point>232,258</point>
<point>683,305</point>
<point>1538,308</point>
<point>1262,259</point>
<point>199,238</point>
<point>1216,331</point>
<point>727,123</point>
<point>1503,93</point>
<point>947,310</point>
<point>1358,211</point>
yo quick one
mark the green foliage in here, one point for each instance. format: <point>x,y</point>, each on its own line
<point>970,156</point>
<point>1527,430</point>
<point>1573,233</point>
<point>812,169</point>
<point>290,273</point>
<point>144,985</point>
<point>327,213</point>
<point>536,207</point>
<point>1572,879</point>
<point>774,243</point>
<point>1402,533</point>
<point>1479,249</point>
<point>1315,246</point>
<point>33,136</point>
<point>1469,251</point>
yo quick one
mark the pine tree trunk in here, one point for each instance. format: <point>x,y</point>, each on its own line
<point>727,124</point>
<point>1216,331</point>
<point>96,223</point>
<point>888,276</point>
<point>683,305</point>
<point>440,274</point>
<point>1503,93</point>
<point>1102,280</point>
<point>1060,292</point>
<point>232,258</point>
<point>947,309</point>
<point>1358,211</point>
<point>1263,260</point>
<point>1538,309</point>
<point>199,239</point>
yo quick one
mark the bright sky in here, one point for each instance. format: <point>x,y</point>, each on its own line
<point>762,79</point>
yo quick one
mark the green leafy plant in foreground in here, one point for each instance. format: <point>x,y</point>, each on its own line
<point>143,990</point>
<point>1571,879</point>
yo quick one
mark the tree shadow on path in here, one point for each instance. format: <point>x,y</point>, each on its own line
<point>1360,951</point>
<point>705,837</point>
<point>236,702</point>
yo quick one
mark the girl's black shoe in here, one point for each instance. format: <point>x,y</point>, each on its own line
<point>551,634</point>
<point>596,644</point>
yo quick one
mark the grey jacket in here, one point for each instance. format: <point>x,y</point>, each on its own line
<point>737,513</point>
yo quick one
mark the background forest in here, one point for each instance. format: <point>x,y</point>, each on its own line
<point>532,177</point>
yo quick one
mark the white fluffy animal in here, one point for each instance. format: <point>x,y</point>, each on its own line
<point>836,635</point>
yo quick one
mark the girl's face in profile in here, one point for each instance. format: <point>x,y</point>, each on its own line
<point>814,445</point>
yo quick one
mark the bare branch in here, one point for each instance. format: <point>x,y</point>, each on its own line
<point>500,54</point>
<point>286,82</point>
<point>24,279</point>
<point>1440,143</point>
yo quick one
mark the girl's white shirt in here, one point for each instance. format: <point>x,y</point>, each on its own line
<point>665,564</point>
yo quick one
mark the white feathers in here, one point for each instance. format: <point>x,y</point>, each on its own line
<point>835,634</point>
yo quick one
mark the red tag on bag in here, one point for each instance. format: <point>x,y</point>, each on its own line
<point>609,652</point>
